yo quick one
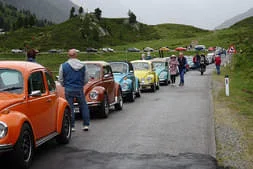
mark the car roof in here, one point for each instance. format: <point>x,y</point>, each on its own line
<point>96,62</point>
<point>21,65</point>
<point>158,60</point>
<point>126,62</point>
<point>144,61</point>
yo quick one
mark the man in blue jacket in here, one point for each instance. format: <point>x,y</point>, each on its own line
<point>181,66</point>
<point>72,76</point>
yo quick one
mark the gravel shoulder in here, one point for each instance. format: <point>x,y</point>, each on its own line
<point>231,142</point>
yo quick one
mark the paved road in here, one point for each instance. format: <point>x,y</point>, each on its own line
<point>170,129</point>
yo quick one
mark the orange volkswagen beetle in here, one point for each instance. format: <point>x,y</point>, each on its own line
<point>31,112</point>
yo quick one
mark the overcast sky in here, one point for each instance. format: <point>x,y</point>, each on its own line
<point>206,14</point>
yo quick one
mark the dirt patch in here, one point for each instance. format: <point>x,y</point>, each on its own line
<point>231,145</point>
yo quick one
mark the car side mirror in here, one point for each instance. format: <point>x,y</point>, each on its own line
<point>35,93</point>
<point>107,76</point>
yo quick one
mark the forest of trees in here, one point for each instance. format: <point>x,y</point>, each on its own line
<point>12,19</point>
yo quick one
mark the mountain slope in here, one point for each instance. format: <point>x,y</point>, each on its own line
<point>52,10</point>
<point>235,19</point>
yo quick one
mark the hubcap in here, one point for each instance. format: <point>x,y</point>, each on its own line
<point>106,106</point>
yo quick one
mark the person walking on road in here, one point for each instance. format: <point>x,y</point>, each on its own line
<point>217,62</point>
<point>173,63</point>
<point>72,76</point>
<point>181,66</point>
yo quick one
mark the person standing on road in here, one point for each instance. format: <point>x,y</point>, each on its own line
<point>173,63</point>
<point>31,55</point>
<point>217,62</point>
<point>72,76</point>
<point>181,66</point>
<point>197,60</point>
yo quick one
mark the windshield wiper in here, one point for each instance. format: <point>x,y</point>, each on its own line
<point>11,88</point>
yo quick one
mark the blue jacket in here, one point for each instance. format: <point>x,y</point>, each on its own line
<point>73,79</point>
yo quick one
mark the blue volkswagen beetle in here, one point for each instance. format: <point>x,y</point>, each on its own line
<point>161,68</point>
<point>123,73</point>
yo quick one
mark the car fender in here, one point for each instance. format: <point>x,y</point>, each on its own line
<point>129,83</point>
<point>154,77</point>
<point>14,120</point>
<point>137,83</point>
<point>62,105</point>
<point>117,88</point>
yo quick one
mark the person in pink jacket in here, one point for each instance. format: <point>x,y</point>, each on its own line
<point>173,63</point>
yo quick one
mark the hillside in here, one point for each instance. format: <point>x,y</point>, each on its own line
<point>235,19</point>
<point>56,11</point>
<point>81,33</point>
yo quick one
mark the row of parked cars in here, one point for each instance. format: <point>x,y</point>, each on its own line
<point>33,109</point>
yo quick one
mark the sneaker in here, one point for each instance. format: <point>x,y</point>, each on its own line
<point>85,128</point>
<point>73,129</point>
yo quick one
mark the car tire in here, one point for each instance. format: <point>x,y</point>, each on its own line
<point>65,135</point>
<point>157,85</point>
<point>138,93</point>
<point>131,97</point>
<point>105,108</point>
<point>167,82</point>
<point>119,105</point>
<point>23,152</point>
<point>153,88</point>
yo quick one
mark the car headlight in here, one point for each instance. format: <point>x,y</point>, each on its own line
<point>93,95</point>
<point>149,78</point>
<point>125,86</point>
<point>3,129</point>
<point>163,75</point>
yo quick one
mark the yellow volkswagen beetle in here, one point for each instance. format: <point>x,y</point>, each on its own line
<point>144,71</point>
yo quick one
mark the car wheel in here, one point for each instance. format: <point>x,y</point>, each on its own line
<point>167,82</point>
<point>24,148</point>
<point>119,105</point>
<point>153,88</point>
<point>65,134</point>
<point>138,93</point>
<point>105,108</point>
<point>158,85</point>
<point>131,97</point>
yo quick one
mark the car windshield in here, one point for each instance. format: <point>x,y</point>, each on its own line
<point>93,71</point>
<point>159,65</point>
<point>141,66</point>
<point>11,81</point>
<point>119,67</point>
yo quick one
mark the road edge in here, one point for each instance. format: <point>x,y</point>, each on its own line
<point>211,125</point>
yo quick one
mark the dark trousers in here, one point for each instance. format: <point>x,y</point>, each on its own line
<point>173,79</point>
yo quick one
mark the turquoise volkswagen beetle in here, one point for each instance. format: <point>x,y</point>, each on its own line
<point>161,68</point>
<point>123,74</point>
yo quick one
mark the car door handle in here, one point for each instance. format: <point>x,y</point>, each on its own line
<point>49,100</point>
